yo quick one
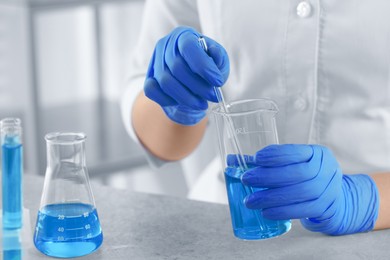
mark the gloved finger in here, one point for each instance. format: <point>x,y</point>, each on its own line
<point>198,60</point>
<point>306,209</point>
<point>292,194</point>
<point>318,224</point>
<point>297,211</point>
<point>323,223</point>
<point>184,115</point>
<point>171,86</point>
<point>154,92</point>
<point>270,177</point>
<point>235,160</point>
<point>219,55</point>
<point>284,154</point>
<point>180,70</point>
<point>180,93</point>
<point>321,207</point>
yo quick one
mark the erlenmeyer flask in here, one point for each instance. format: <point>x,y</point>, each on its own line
<point>67,222</point>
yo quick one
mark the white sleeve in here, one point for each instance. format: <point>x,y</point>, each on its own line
<point>159,19</point>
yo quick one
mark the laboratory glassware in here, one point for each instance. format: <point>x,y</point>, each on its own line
<point>248,126</point>
<point>67,224</point>
<point>12,172</point>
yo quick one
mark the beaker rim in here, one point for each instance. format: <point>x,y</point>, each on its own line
<point>261,105</point>
<point>65,137</point>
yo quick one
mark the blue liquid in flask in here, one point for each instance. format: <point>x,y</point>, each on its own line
<point>249,224</point>
<point>68,230</point>
<point>12,182</point>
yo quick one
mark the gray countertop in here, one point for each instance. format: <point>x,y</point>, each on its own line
<point>145,226</point>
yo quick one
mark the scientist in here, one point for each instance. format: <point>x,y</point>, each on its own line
<point>325,63</point>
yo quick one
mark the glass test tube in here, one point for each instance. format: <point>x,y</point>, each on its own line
<point>12,171</point>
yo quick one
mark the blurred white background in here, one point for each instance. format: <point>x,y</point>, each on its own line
<point>63,67</point>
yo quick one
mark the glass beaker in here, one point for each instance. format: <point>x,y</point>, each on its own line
<point>67,224</point>
<point>254,126</point>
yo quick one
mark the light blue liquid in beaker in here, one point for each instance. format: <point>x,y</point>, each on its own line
<point>249,224</point>
<point>68,230</point>
<point>12,183</point>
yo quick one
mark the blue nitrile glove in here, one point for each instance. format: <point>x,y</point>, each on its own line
<point>305,182</point>
<point>181,75</point>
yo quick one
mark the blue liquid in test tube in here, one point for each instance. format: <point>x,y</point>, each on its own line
<point>12,247</point>
<point>12,170</point>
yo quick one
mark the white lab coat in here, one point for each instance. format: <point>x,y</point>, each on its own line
<point>329,73</point>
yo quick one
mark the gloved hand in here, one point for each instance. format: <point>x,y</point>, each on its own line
<point>306,182</point>
<point>181,75</point>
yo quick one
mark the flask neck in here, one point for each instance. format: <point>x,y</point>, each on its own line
<point>66,153</point>
<point>66,148</point>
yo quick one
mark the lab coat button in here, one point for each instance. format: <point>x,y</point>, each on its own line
<point>303,9</point>
<point>300,104</point>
